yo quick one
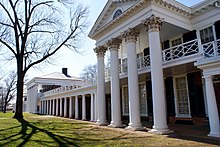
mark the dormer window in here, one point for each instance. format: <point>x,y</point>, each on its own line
<point>117,13</point>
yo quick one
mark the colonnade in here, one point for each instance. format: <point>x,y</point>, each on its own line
<point>153,26</point>
<point>69,106</point>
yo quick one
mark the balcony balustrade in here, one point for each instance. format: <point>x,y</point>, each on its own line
<point>209,50</point>
<point>191,48</point>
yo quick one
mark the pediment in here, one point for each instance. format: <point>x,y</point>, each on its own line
<point>111,11</point>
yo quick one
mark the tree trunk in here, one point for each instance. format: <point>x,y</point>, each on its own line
<point>20,85</point>
<point>4,107</point>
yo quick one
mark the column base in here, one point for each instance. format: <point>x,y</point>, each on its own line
<point>102,123</point>
<point>84,119</point>
<point>71,117</point>
<point>214,135</point>
<point>116,125</point>
<point>160,131</point>
<point>137,127</point>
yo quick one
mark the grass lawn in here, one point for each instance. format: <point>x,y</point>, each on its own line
<point>37,130</point>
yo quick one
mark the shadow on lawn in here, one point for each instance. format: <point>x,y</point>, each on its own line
<point>60,140</point>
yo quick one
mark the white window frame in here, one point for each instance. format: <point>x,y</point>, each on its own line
<point>175,97</point>
<point>175,38</point>
<point>123,101</point>
<point>213,31</point>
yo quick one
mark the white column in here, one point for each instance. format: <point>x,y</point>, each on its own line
<point>65,107</point>
<point>153,25</point>
<point>83,107</point>
<point>54,106</point>
<point>71,108</point>
<point>61,107</point>
<point>100,52</point>
<point>92,108</point>
<point>48,112</point>
<point>212,108</point>
<point>96,107</point>
<point>115,86</point>
<point>40,107</point>
<point>44,103</point>
<point>76,108</point>
<point>134,103</point>
<point>57,107</point>
<point>51,107</point>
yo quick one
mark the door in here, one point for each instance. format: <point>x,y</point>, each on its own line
<point>181,97</point>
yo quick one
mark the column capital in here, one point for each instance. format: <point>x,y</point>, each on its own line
<point>100,51</point>
<point>114,44</point>
<point>153,23</point>
<point>208,77</point>
<point>130,35</point>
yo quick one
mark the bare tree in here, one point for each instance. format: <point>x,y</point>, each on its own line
<point>1,98</point>
<point>34,30</point>
<point>9,90</point>
<point>89,73</point>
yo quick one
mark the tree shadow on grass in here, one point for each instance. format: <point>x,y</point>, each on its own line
<point>25,136</point>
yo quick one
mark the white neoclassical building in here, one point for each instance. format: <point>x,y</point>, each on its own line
<point>164,67</point>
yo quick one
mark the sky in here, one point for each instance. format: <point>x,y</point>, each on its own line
<point>76,62</point>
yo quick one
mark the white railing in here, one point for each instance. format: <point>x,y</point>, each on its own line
<point>67,88</point>
<point>182,50</point>
<point>143,62</point>
<point>211,49</point>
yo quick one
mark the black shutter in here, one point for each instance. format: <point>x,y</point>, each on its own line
<point>166,44</point>
<point>146,51</point>
<point>149,98</point>
<point>217,29</point>
<point>196,94</point>
<point>170,96</point>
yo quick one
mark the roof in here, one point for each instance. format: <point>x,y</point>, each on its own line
<point>59,76</point>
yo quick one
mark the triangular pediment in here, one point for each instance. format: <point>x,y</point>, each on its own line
<point>112,10</point>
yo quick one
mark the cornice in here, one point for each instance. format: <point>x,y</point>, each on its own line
<point>131,11</point>
<point>205,8</point>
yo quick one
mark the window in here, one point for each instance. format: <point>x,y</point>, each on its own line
<point>125,100</point>
<point>117,14</point>
<point>206,35</point>
<point>176,42</point>
<point>142,97</point>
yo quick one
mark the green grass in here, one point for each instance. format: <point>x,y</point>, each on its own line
<point>36,130</point>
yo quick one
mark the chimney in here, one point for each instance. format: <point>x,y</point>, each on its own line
<point>64,71</point>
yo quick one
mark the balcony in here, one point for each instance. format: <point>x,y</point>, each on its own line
<point>180,54</point>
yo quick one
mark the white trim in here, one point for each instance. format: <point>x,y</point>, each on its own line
<point>126,114</point>
<point>175,97</point>
<point>123,101</point>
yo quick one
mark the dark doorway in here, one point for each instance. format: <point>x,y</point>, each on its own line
<point>88,108</point>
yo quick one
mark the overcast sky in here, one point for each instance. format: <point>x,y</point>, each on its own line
<point>76,62</point>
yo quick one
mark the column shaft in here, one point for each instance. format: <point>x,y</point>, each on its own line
<point>54,109</point>
<point>76,108</point>
<point>133,90</point>
<point>57,107</point>
<point>115,85</point>
<point>153,25</point>
<point>101,86</point>
<point>83,107</point>
<point>159,107</point>
<point>92,108</point>
<point>61,106</point>
<point>71,108</point>
<point>212,108</point>
<point>48,109</point>
<point>65,107</point>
